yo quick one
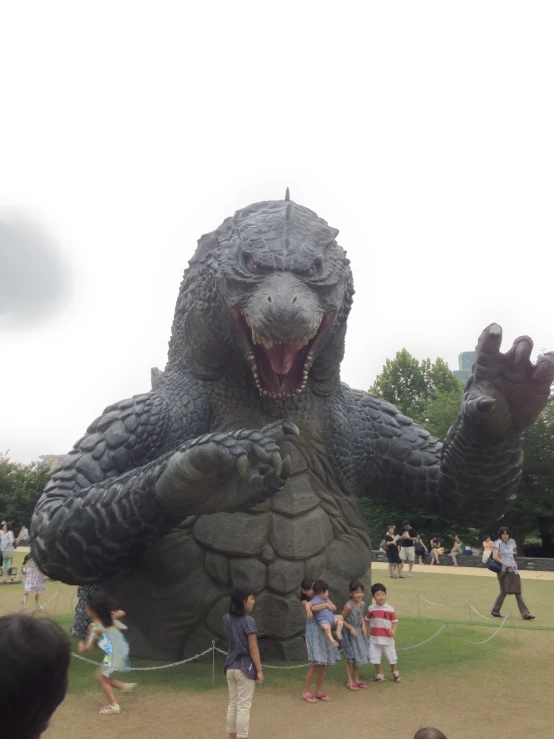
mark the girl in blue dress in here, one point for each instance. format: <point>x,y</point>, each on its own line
<point>321,652</point>
<point>105,631</point>
<point>355,643</point>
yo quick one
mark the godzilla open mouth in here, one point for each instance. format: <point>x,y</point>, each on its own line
<point>280,368</point>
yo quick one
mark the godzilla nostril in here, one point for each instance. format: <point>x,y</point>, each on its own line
<point>294,299</point>
<point>269,298</point>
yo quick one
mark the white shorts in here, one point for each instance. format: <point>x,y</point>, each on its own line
<point>376,652</point>
<point>407,554</point>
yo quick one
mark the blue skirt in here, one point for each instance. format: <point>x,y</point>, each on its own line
<point>320,649</point>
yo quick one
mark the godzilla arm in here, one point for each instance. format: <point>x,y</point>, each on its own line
<point>99,509</point>
<point>466,479</point>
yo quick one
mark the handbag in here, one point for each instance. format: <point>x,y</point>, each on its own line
<point>9,552</point>
<point>493,565</point>
<point>512,583</point>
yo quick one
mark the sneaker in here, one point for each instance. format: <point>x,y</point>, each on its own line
<point>409,574</point>
<point>22,605</point>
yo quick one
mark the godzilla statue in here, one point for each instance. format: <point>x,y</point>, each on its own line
<point>247,458</point>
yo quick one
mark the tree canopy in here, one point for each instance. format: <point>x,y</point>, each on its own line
<point>21,485</point>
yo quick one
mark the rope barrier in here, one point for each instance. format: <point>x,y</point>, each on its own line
<point>407,649</point>
<point>148,669</point>
<point>272,667</point>
<point>442,605</point>
<point>477,643</point>
<point>213,649</point>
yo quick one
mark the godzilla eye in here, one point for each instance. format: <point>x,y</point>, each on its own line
<point>255,267</point>
<point>310,270</point>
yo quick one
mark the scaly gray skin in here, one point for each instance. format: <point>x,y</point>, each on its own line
<point>267,439</point>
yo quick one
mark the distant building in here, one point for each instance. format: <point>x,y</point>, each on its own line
<point>465,363</point>
<point>51,459</point>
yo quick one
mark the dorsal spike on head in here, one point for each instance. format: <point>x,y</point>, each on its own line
<point>287,194</point>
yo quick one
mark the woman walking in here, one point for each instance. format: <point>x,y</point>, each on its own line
<point>504,553</point>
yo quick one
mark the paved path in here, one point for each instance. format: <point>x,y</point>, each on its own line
<point>474,571</point>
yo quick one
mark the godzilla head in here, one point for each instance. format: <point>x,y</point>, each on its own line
<point>272,289</point>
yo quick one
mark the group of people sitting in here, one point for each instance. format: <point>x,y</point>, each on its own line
<point>409,547</point>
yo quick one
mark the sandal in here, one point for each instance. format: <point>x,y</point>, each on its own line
<point>397,677</point>
<point>128,687</point>
<point>309,698</point>
<point>322,697</point>
<point>378,678</point>
<point>352,686</point>
<point>107,710</point>
<point>361,684</point>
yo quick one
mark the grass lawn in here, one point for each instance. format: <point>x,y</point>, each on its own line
<point>417,623</point>
<point>446,682</point>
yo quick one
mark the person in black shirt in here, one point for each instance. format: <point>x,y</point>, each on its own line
<point>407,549</point>
<point>393,557</point>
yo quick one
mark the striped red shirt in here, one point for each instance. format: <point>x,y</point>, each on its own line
<point>381,619</point>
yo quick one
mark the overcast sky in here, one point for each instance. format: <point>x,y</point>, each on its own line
<point>422,130</point>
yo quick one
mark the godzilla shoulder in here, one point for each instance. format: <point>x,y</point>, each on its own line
<point>128,434</point>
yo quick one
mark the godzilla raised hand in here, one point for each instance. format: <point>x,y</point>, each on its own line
<point>506,392</point>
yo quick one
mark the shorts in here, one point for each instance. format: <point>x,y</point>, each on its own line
<point>376,652</point>
<point>392,556</point>
<point>407,554</point>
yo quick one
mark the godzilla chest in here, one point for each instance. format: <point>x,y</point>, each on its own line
<point>276,543</point>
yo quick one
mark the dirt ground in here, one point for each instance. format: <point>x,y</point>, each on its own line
<point>459,703</point>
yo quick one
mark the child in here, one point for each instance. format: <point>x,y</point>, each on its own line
<point>34,583</point>
<point>382,630</point>
<point>306,595</point>
<point>356,651</point>
<point>429,733</point>
<point>243,667</point>
<point>100,609</point>
<point>35,655</point>
<point>322,608</point>
<point>488,546</point>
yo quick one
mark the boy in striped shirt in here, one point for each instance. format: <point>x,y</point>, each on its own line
<point>382,630</point>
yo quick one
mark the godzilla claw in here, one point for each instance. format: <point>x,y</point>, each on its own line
<point>523,348</point>
<point>506,392</point>
<point>544,370</point>
<point>486,405</point>
<point>242,466</point>
<point>276,463</point>
<point>285,470</point>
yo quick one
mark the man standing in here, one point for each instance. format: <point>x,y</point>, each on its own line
<point>407,548</point>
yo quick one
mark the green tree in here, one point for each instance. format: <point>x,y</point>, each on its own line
<point>533,511</point>
<point>441,410</point>
<point>21,485</point>
<point>411,385</point>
